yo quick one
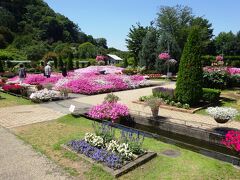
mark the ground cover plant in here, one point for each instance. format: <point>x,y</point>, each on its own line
<point>48,136</point>
<point>90,80</point>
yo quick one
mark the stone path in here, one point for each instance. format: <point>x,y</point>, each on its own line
<point>19,161</point>
<point>15,116</point>
<point>127,97</point>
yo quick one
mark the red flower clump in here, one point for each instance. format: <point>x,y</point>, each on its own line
<point>232,140</point>
<point>14,88</point>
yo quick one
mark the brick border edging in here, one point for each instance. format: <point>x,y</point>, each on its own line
<point>123,170</point>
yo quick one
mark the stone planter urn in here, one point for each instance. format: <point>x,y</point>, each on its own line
<point>155,112</point>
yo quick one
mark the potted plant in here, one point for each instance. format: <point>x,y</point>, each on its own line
<point>154,104</point>
<point>222,114</point>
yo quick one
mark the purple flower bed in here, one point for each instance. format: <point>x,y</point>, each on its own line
<point>100,155</point>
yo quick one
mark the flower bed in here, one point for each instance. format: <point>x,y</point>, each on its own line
<point>90,81</point>
<point>45,95</point>
<point>109,111</point>
<point>117,155</point>
<point>232,140</point>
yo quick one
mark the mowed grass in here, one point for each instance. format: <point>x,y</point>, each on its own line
<point>7,100</point>
<point>47,138</point>
<point>229,99</point>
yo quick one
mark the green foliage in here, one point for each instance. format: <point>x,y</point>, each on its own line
<point>6,37</point>
<point>1,66</point>
<point>211,95</point>
<point>105,131</point>
<point>227,43</point>
<point>174,24</point>
<point>51,56</point>
<point>36,52</point>
<point>11,54</point>
<point>134,41</point>
<point>77,64</point>
<point>189,81</point>
<point>164,93</point>
<point>70,63</point>
<point>111,98</point>
<point>60,62</point>
<point>7,19</point>
<point>216,80</point>
<point>87,50</point>
<point>148,53</point>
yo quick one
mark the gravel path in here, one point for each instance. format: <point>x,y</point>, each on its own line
<point>19,161</point>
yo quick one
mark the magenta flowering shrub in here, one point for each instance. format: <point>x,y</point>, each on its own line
<point>95,84</point>
<point>233,71</point>
<point>89,80</point>
<point>100,58</point>
<point>96,69</point>
<point>109,111</point>
<point>164,56</point>
<point>228,70</point>
<point>232,140</point>
<point>219,58</point>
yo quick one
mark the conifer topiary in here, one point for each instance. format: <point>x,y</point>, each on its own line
<point>1,66</point>
<point>190,74</point>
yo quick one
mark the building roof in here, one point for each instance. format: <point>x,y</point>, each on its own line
<point>115,57</point>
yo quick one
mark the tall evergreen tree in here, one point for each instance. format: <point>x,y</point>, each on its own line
<point>189,81</point>
<point>70,62</point>
<point>1,66</point>
<point>60,62</point>
<point>148,54</point>
<point>77,64</point>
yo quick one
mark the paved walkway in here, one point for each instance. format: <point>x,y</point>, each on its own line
<point>19,161</point>
<point>127,97</point>
<point>15,116</point>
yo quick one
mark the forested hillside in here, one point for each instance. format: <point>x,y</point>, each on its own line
<point>30,28</point>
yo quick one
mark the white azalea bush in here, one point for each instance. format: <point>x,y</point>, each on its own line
<point>222,112</point>
<point>45,95</point>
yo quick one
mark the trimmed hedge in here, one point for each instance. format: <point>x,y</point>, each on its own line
<point>211,95</point>
<point>230,60</point>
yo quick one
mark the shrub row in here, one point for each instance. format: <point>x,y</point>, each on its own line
<point>230,60</point>
<point>167,94</point>
<point>220,80</point>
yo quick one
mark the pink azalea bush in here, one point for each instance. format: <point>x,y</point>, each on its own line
<point>100,58</point>
<point>97,69</point>
<point>219,58</point>
<point>109,111</point>
<point>164,56</point>
<point>94,84</point>
<point>34,79</point>
<point>229,70</point>
<point>232,140</point>
<point>233,71</point>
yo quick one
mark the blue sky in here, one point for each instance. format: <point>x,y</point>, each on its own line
<point>112,19</point>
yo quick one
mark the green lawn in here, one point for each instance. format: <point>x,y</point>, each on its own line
<point>48,136</point>
<point>227,100</point>
<point>9,100</point>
